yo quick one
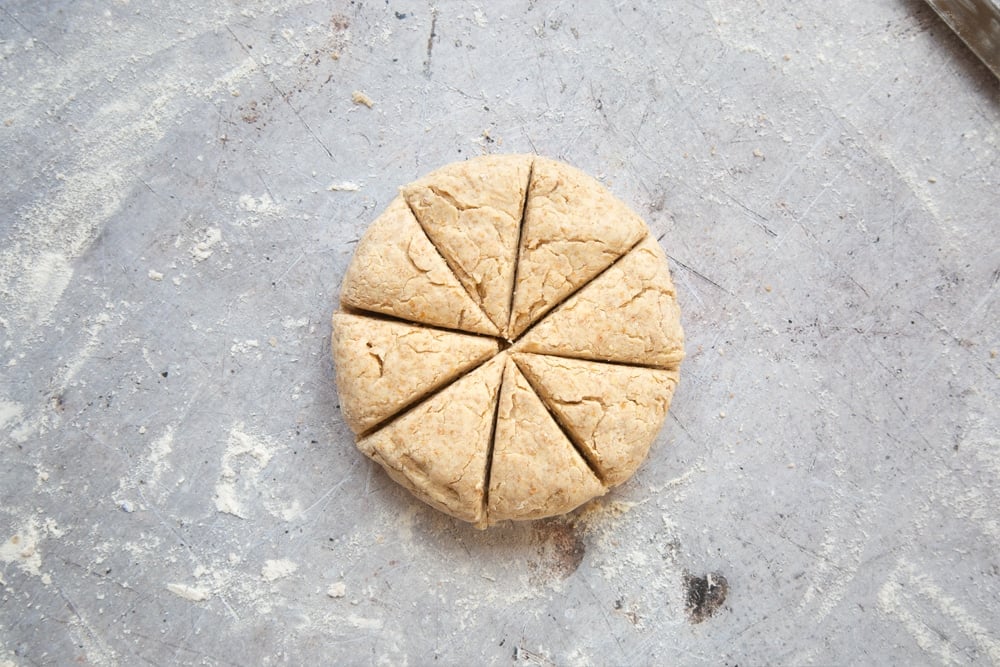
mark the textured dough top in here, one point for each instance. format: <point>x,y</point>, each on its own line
<point>498,252</point>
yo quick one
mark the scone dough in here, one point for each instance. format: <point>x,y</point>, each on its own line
<point>536,471</point>
<point>573,229</point>
<point>628,314</point>
<point>438,450</point>
<point>509,340</point>
<point>395,363</point>
<point>397,271</point>
<point>611,412</point>
<point>472,212</point>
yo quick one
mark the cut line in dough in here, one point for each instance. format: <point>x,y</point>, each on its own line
<point>438,449</point>
<point>573,229</point>
<point>536,471</point>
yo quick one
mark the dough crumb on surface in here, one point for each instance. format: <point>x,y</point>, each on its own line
<point>360,97</point>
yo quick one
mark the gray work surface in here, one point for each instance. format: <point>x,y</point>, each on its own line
<point>182,187</point>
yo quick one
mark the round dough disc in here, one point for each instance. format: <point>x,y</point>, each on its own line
<point>508,339</point>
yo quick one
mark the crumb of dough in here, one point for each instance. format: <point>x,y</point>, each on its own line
<point>360,97</point>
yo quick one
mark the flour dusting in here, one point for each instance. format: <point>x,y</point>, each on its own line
<point>243,460</point>
<point>21,548</point>
<point>192,593</point>
<point>277,569</point>
<point>204,247</point>
<point>10,412</point>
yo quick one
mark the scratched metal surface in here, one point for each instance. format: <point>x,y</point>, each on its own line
<point>177,485</point>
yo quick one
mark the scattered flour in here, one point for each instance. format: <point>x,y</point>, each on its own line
<point>250,345</point>
<point>242,462</point>
<point>915,600</point>
<point>203,248</point>
<point>95,329</point>
<point>144,477</point>
<point>226,501</point>
<point>48,276</point>
<point>277,569</point>
<point>263,205</point>
<point>293,512</point>
<point>156,461</point>
<point>10,412</point>
<point>192,593</point>
<point>21,548</point>
<point>343,186</point>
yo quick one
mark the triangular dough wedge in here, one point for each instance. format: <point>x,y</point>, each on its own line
<point>472,212</point>
<point>628,314</point>
<point>612,412</point>
<point>397,271</point>
<point>536,471</point>
<point>439,449</point>
<point>573,229</point>
<point>385,365</point>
